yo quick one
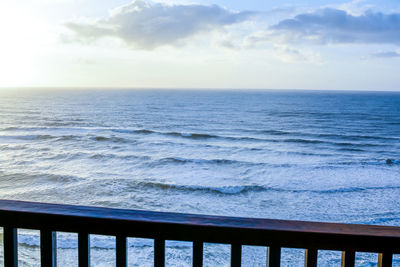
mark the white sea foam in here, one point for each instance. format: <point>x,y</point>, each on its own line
<point>266,154</point>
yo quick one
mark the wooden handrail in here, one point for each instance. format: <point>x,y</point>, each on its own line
<point>162,226</point>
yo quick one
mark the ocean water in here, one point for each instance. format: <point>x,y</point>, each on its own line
<point>306,155</point>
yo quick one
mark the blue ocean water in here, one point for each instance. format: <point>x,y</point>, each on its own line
<point>307,155</point>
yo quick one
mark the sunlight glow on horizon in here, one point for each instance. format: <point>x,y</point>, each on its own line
<point>139,45</point>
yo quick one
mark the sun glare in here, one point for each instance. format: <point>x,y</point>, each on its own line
<point>21,45</point>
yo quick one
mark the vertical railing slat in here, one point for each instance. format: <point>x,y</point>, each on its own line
<point>385,259</point>
<point>159,252</point>
<point>48,248</point>
<point>348,258</point>
<point>198,254</point>
<point>84,249</point>
<point>311,258</point>
<point>10,239</point>
<point>121,251</point>
<point>274,257</point>
<point>236,255</point>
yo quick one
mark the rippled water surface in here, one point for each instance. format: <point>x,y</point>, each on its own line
<point>317,156</point>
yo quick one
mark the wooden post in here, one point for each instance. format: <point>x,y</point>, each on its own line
<point>348,258</point>
<point>48,248</point>
<point>311,258</point>
<point>84,249</point>
<point>198,254</point>
<point>10,239</point>
<point>121,251</point>
<point>385,259</point>
<point>236,255</point>
<point>159,253</point>
<point>274,257</point>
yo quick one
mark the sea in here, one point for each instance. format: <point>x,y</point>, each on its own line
<point>331,156</point>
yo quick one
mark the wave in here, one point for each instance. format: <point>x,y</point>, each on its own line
<point>356,137</point>
<point>144,131</point>
<point>228,190</point>
<point>12,128</point>
<point>109,139</point>
<point>176,134</point>
<point>349,149</point>
<point>66,123</point>
<point>304,138</point>
<point>322,135</point>
<point>12,178</point>
<point>29,137</point>
<point>303,141</point>
<point>178,160</point>
<point>378,162</point>
<point>203,136</point>
<point>192,135</point>
<point>68,138</point>
<point>243,189</point>
<point>221,162</point>
<point>9,147</point>
<point>180,134</point>
<point>69,241</point>
<point>275,132</point>
<point>42,137</point>
<point>382,221</point>
<point>116,156</point>
<point>129,131</point>
<point>352,189</point>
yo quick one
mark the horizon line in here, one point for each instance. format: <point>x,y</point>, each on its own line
<point>183,88</point>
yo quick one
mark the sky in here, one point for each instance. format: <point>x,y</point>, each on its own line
<point>232,44</point>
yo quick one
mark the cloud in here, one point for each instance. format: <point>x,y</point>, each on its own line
<point>290,54</point>
<point>337,26</point>
<point>147,26</point>
<point>356,7</point>
<point>387,54</point>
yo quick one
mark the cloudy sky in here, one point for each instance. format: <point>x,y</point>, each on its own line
<point>285,44</point>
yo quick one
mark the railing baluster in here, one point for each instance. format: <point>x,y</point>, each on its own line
<point>197,254</point>
<point>10,239</point>
<point>159,252</point>
<point>274,257</point>
<point>160,226</point>
<point>236,255</point>
<point>348,258</point>
<point>311,258</point>
<point>84,249</point>
<point>385,259</point>
<point>48,248</point>
<point>121,251</point>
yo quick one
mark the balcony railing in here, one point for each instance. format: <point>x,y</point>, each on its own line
<point>161,226</point>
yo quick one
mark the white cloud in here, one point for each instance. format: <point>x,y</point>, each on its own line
<point>147,26</point>
<point>290,54</point>
<point>355,7</point>
<point>337,26</point>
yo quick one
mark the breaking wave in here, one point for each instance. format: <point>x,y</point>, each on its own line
<point>243,189</point>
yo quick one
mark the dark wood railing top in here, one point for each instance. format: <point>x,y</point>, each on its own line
<point>220,229</point>
<point>11,206</point>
